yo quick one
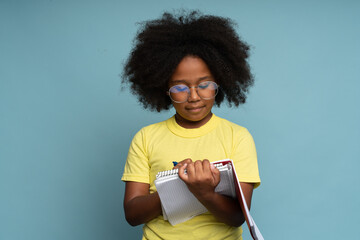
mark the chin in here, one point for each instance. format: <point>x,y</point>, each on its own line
<point>195,118</point>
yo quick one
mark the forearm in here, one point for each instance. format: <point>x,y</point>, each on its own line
<point>225,209</point>
<point>142,209</point>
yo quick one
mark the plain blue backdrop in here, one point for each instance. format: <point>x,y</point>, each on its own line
<point>66,126</point>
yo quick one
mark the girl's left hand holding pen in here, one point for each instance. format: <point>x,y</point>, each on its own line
<point>180,164</point>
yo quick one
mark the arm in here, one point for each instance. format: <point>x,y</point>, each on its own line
<point>140,206</point>
<point>227,209</point>
<point>201,179</point>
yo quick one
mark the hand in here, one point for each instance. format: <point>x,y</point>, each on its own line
<point>201,178</point>
<point>180,164</point>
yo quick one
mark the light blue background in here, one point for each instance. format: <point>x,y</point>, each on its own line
<point>65,126</point>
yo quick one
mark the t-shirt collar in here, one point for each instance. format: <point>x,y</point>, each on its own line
<point>180,131</point>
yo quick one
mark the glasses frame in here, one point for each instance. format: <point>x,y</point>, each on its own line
<point>196,87</point>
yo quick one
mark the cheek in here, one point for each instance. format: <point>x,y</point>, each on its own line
<point>178,106</point>
<point>210,103</point>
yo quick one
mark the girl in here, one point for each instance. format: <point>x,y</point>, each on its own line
<point>189,62</point>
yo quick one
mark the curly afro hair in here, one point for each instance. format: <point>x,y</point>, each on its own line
<point>161,44</point>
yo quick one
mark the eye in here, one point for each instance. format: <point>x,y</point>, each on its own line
<point>205,85</point>
<point>179,88</point>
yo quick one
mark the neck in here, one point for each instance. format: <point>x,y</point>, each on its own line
<point>192,124</point>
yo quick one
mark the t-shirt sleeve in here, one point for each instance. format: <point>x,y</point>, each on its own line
<point>137,164</point>
<point>245,158</point>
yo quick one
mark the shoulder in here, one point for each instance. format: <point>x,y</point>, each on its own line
<point>236,129</point>
<point>151,130</point>
<point>234,133</point>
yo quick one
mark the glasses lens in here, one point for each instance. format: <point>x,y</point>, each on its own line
<point>207,90</point>
<point>179,93</point>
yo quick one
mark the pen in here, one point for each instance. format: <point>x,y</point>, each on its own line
<point>175,163</point>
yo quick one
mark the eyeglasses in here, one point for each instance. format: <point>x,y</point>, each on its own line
<point>180,93</point>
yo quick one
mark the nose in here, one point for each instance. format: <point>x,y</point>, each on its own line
<point>193,95</point>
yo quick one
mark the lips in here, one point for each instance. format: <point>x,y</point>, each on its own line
<point>195,109</point>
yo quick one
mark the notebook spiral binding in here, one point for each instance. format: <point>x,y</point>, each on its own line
<point>176,171</point>
<point>167,173</point>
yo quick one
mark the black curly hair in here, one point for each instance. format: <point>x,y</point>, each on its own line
<point>162,43</point>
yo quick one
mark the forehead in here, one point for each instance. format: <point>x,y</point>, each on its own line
<point>191,69</point>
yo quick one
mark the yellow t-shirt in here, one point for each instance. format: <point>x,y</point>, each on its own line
<point>155,147</point>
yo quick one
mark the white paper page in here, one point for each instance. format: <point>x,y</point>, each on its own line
<point>179,203</point>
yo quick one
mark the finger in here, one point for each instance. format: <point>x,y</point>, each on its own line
<point>190,170</point>
<point>206,166</point>
<point>215,173</point>
<point>187,160</point>
<point>198,165</point>
<point>183,176</point>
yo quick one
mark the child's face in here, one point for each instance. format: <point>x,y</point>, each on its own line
<point>196,111</point>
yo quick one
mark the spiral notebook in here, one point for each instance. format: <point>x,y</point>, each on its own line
<point>179,204</point>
